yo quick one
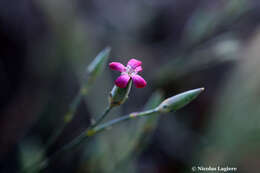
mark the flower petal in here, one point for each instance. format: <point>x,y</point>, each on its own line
<point>139,81</point>
<point>122,81</point>
<point>138,69</point>
<point>134,63</point>
<point>117,66</point>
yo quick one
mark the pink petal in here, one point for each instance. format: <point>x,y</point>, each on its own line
<point>138,69</point>
<point>134,63</point>
<point>139,81</point>
<point>117,66</point>
<point>122,81</point>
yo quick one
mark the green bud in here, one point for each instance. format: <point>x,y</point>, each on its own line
<point>119,95</point>
<point>98,64</point>
<point>176,102</point>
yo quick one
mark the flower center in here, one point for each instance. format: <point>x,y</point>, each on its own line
<point>130,71</point>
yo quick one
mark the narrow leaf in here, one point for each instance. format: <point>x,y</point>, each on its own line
<point>97,66</point>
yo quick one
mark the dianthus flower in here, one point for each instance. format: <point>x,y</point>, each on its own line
<point>128,72</point>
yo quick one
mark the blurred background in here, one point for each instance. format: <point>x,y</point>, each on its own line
<point>46,45</point>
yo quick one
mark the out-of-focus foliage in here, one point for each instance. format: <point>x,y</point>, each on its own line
<point>46,45</point>
<point>233,135</point>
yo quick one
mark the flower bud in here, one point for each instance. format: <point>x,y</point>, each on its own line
<point>176,102</point>
<point>119,95</point>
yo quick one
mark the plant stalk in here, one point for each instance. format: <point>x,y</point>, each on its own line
<point>93,131</point>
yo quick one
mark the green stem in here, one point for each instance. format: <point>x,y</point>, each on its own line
<point>108,125</point>
<point>107,110</point>
<point>68,116</point>
<point>93,131</point>
<point>75,142</point>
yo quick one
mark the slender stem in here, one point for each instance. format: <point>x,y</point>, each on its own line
<point>104,114</point>
<point>93,131</point>
<point>75,142</point>
<point>69,115</point>
<point>67,119</point>
<point>82,137</point>
<point>108,125</point>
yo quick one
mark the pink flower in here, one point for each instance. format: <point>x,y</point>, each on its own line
<point>128,72</point>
